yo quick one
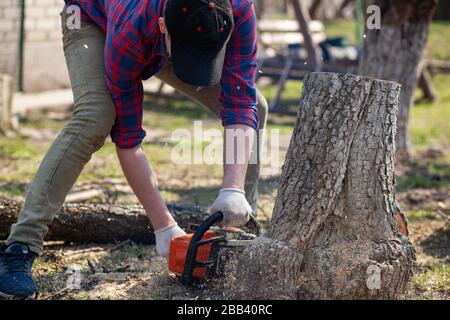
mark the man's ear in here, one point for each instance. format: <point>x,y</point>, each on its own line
<point>162,25</point>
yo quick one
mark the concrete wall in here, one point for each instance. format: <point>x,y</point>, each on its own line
<point>9,37</point>
<point>44,64</point>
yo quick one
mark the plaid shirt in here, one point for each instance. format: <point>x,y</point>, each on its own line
<point>135,51</point>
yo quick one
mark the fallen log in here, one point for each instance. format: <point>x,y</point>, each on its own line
<point>99,223</point>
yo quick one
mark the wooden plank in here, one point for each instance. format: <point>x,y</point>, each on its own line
<point>274,26</point>
<point>271,39</point>
<point>438,66</point>
<point>6,95</point>
<point>48,100</point>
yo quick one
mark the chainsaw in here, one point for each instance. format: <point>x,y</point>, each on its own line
<point>202,254</point>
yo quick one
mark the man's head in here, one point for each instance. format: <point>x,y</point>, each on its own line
<point>196,33</point>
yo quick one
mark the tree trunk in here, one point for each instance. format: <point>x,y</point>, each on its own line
<point>314,7</point>
<point>99,223</point>
<point>303,18</point>
<point>333,230</point>
<point>394,53</point>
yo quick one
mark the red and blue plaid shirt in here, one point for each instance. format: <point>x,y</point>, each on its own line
<point>135,51</point>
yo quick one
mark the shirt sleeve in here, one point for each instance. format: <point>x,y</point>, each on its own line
<point>238,95</point>
<point>123,67</point>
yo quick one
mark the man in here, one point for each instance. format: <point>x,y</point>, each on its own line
<point>206,49</point>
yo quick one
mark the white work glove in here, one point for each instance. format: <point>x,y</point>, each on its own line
<point>234,206</point>
<point>164,236</point>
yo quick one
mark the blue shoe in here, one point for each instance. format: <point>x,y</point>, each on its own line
<point>16,280</point>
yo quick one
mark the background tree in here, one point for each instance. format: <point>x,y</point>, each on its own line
<point>395,51</point>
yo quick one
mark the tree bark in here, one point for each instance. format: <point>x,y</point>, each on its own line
<point>394,53</point>
<point>303,18</point>
<point>99,223</point>
<point>334,221</point>
<point>315,5</point>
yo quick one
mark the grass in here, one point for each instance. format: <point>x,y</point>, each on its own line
<point>426,173</point>
<point>12,189</point>
<point>161,115</point>
<point>341,28</point>
<point>422,215</point>
<point>16,149</point>
<point>412,182</point>
<point>438,41</point>
<point>432,283</point>
<point>429,124</point>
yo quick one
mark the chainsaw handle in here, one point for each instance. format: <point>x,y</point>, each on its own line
<point>208,223</point>
<point>190,262</point>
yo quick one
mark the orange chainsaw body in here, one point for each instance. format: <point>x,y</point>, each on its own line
<point>178,251</point>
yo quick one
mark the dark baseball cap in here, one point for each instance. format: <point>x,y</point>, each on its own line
<point>199,31</point>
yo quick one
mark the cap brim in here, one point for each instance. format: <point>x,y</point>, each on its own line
<point>194,67</point>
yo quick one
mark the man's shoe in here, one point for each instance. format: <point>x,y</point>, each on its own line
<point>16,280</point>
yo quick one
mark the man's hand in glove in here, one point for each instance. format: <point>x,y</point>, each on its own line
<point>234,206</point>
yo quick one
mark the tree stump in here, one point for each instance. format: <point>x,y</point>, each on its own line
<point>333,234</point>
